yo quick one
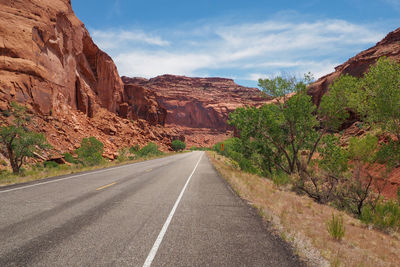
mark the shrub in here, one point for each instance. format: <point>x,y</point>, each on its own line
<point>178,145</point>
<point>90,152</point>
<point>150,149</point>
<point>134,149</point>
<point>69,158</point>
<point>122,155</point>
<point>50,164</point>
<point>385,215</point>
<point>335,227</point>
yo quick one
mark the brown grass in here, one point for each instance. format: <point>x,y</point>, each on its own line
<point>65,169</point>
<point>302,222</point>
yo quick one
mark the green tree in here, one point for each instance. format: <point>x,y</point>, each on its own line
<point>90,152</point>
<point>17,141</point>
<point>178,145</point>
<point>288,127</point>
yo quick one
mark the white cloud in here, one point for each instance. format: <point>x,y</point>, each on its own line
<point>115,39</point>
<point>244,50</point>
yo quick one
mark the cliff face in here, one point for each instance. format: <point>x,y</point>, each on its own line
<point>46,51</point>
<point>358,65</point>
<point>49,63</point>
<point>198,107</point>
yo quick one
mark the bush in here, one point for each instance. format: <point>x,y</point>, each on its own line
<point>150,149</point>
<point>69,158</point>
<point>122,155</point>
<point>385,215</point>
<point>50,164</point>
<point>134,149</point>
<point>90,152</point>
<point>178,145</point>
<point>335,227</point>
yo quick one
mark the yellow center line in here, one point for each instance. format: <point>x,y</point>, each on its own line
<point>149,170</point>
<point>105,186</point>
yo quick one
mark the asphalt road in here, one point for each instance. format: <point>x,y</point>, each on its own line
<point>173,211</point>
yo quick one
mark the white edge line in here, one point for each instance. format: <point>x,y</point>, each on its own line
<point>160,236</point>
<point>69,177</point>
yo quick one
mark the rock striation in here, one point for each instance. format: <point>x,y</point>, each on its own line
<point>197,107</point>
<point>49,63</point>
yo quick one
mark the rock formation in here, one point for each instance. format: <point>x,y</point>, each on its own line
<point>197,107</point>
<point>49,63</point>
<point>358,65</point>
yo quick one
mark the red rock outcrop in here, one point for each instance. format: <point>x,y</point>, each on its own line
<point>49,63</point>
<point>140,103</point>
<point>358,65</point>
<point>198,107</point>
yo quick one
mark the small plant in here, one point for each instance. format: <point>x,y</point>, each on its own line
<point>150,149</point>
<point>178,145</point>
<point>50,164</point>
<point>134,149</point>
<point>122,155</point>
<point>385,215</point>
<point>335,227</point>
<point>90,152</point>
<point>69,158</point>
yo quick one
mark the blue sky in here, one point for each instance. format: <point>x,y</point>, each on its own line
<point>243,40</point>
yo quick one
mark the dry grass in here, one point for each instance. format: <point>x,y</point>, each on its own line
<point>65,169</point>
<point>302,222</point>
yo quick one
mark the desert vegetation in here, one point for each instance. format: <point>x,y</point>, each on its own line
<point>23,148</point>
<point>178,145</point>
<point>296,143</point>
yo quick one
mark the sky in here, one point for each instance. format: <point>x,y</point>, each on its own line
<point>240,39</point>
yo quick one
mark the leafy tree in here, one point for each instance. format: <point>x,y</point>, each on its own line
<point>288,127</point>
<point>178,145</point>
<point>17,141</point>
<point>376,98</point>
<point>90,152</point>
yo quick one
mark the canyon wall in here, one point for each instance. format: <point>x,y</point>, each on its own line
<point>49,63</point>
<point>198,107</point>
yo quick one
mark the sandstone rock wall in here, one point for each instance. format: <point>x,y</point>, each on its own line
<point>46,51</point>
<point>49,63</point>
<point>198,106</point>
<point>359,64</point>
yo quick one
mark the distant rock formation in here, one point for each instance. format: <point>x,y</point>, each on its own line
<point>198,107</point>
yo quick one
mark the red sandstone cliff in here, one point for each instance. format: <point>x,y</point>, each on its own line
<point>198,107</point>
<point>49,62</point>
<point>356,66</point>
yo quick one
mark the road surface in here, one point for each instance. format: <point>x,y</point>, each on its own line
<point>172,211</point>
